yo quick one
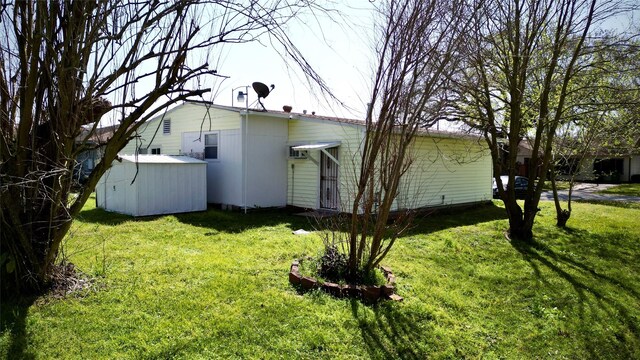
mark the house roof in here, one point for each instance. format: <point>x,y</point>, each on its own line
<point>161,159</point>
<point>314,117</point>
<point>99,136</point>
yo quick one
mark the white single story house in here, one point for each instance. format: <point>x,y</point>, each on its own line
<point>608,169</point>
<point>272,159</point>
<point>601,167</point>
<point>163,184</point>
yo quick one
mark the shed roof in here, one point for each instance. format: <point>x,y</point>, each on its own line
<point>161,159</point>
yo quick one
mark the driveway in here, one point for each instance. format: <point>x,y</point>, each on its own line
<point>586,191</point>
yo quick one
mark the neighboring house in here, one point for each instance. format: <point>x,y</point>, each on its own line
<point>87,159</point>
<point>523,159</point>
<point>274,158</point>
<point>608,165</point>
<point>610,169</point>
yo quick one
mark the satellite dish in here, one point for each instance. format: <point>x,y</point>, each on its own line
<point>262,90</point>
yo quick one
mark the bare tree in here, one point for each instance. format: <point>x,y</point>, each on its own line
<point>416,53</point>
<point>64,65</point>
<point>521,59</point>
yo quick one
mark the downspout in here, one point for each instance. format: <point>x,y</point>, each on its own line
<point>246,158</point>
<point>293,182</point>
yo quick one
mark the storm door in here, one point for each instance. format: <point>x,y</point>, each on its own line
<point>329,198</point>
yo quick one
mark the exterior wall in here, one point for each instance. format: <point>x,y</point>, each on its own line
<point>224,174</point>
<point>187,117</point>
<point>114,191</point>
<point>458,169</point>
<point>158,188</point>
<point>266,167</point>
<point>171,188</point>
<point>446,171</point>
<point>303,175</point>
<point>189,123</point>
<point>634,164</point>
<point>631,166</point>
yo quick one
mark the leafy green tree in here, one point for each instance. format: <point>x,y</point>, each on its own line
<point>601,116</point>
<point>521,60</point>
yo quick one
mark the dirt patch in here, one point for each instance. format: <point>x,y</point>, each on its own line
<point>66,280</point>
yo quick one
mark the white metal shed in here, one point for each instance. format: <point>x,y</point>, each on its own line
<point>164,184</point>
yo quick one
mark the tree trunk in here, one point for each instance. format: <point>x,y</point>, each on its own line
<point>520,223</point>
<point>562,217</point>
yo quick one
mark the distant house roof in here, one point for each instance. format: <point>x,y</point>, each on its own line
<point>100,136</point>
<point>161,159</point>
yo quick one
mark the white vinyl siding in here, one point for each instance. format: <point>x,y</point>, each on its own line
<point>187,117</point>
<point>175,186</point>
<point>446,171</point>
<point>457,168</point>
<point>266,168</point>
<point>303,175</point>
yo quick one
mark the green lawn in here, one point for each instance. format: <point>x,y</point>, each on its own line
<point>214,285</point>
<point>623,189</point>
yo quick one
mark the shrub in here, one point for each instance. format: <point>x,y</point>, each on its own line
<point>333,264</point>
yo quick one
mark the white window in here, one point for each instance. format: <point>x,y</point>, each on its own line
<point>211,146</point>
<point>296,154</point>
<point>152,151</point>
<point>166,126</point>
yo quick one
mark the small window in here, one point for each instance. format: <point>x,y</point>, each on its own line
<point>152,151</point>
<point>211,146</point>
<point>166,126</point>
<point>296,154</point>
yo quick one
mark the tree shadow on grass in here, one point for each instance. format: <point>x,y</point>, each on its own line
<point>389,333</point>
<point>237,222</point>
<point>102,217</point>
<point>604,301</point>
<point>443,219</point>
<point>13,314</point>
<point>214,219</point>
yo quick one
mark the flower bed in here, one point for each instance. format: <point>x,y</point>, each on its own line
<point>370,293</point>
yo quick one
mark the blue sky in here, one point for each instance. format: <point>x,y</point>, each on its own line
<point>340,51</point>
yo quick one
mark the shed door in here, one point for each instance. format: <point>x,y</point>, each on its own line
<point>329,180</point>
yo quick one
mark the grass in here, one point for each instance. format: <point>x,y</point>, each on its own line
<point>623,189</point>
<point>214,285</point>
